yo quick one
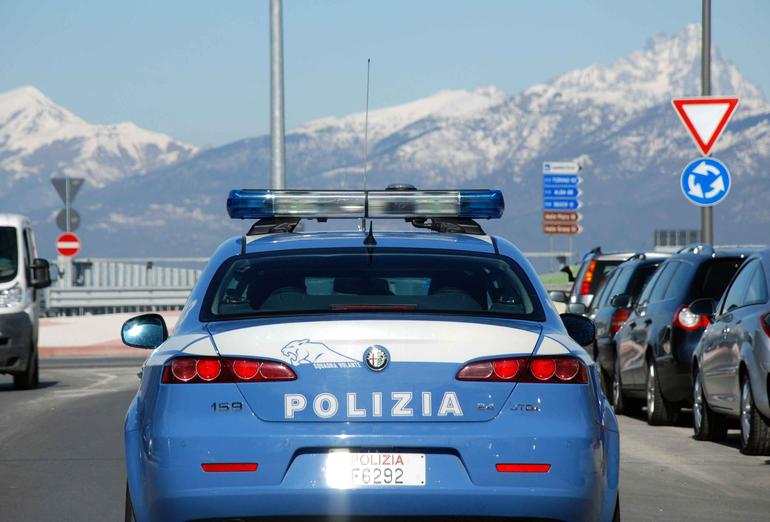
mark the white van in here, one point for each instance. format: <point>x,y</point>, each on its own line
<point>22,275</point>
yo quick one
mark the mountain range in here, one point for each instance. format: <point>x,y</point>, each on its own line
<point>150,195</point>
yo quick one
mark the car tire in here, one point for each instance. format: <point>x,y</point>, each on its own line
<point>706,423</point>
<point>755,428</point>
<point>29,378</point>
<point>620,403</point>
<point>660,412</point>
<point>129,507</point>
<point>616,515</point>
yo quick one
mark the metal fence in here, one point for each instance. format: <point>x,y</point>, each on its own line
<point>107,285</point>
<point>113,285</point>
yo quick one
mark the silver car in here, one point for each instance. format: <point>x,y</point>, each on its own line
<point>731,365</point>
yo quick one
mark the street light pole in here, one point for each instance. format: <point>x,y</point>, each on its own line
<point>706,213</point>
<point>278,171</point>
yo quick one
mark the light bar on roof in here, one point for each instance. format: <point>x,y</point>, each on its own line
<point>260,204</point>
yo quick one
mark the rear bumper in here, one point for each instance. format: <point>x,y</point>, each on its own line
<point>15,341</point>
<point>525,503</point>
<point>574,489</point>
<point>167,482</point>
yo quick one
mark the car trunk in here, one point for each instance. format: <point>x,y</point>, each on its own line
<point>335,382</point>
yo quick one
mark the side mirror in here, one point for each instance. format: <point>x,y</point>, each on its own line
<point>580,328</point>
<point>621,301</point>
<point>144,331</point>
<point>577,308</point>
<point>557,296</point>
<point>568,270</point>
<point>39,275</point>
<point>707,307</point>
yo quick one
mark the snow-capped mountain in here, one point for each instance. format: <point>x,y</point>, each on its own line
<point>40,138</point>
<point>615,119</point>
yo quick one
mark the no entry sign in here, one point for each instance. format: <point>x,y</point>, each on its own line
<point>68,244</point>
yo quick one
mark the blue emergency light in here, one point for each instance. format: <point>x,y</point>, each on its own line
<point>261,204</point>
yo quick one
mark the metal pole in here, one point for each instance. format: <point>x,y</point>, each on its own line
<point>276,96</point>
<point>706,213</point>
<point>67,205</point>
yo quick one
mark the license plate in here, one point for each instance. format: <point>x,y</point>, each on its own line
<point>359,470</point>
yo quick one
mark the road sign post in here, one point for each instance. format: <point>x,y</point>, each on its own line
<point>67,219</point>
<point>705,118</point>
<point>561,198</point>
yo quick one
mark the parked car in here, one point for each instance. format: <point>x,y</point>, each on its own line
<point>656,343</point>
<point>22,274</point>
<point>731,364</point>
<point>609,314</point>
<point>594,270</point>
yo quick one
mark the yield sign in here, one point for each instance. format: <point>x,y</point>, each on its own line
<point>705,118</point>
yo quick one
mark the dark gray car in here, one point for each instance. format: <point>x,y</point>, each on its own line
<point>731,365</point>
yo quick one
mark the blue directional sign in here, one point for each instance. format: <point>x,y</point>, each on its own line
<point>556,179</point>
<point>560,191</point>
<point>560,204</point>
<point>705,181</point>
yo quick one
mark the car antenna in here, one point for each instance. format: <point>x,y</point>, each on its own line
<point>370,241</point>
<point>366,136</point>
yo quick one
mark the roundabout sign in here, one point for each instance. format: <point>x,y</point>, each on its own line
<point>705,182</point>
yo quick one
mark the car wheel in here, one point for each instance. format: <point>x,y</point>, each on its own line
<point>620,403</point>
<point>706,423</point>
<point>755,428</point>
<point>660,412</point>
<point>29,378</point>
<point>129,507</point>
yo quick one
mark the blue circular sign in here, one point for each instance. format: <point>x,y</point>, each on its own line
<point>705,181</point>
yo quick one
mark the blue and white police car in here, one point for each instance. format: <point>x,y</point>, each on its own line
<point>389,374</point>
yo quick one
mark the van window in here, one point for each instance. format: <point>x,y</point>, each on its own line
<point>9,254</point>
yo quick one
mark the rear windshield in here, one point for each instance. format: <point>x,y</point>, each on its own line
<point>715,276</point>
<point>641,276</point>
<point>601,271</point>
<point>386,281</point>
<point>9,254</point>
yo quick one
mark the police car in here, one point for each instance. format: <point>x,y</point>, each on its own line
<point>392,374</point>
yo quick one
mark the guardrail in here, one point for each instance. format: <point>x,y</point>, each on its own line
<point>80,300</point>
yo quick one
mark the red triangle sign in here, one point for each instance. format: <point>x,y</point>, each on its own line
<point>705,118</point>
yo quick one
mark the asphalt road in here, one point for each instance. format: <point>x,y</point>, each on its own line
<point>61,456</point>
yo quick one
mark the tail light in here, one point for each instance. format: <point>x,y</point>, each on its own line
<point>686,320</point>
<point>620,316</point>
<point>197,370</point>
<point>765,322</point>
<point>562,370</point>
<point>588,277</point>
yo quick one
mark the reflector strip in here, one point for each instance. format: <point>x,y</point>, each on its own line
<point>220,467</point>
<point>523,468</point>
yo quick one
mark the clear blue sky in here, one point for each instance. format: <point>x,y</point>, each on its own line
<point>198,70</point>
